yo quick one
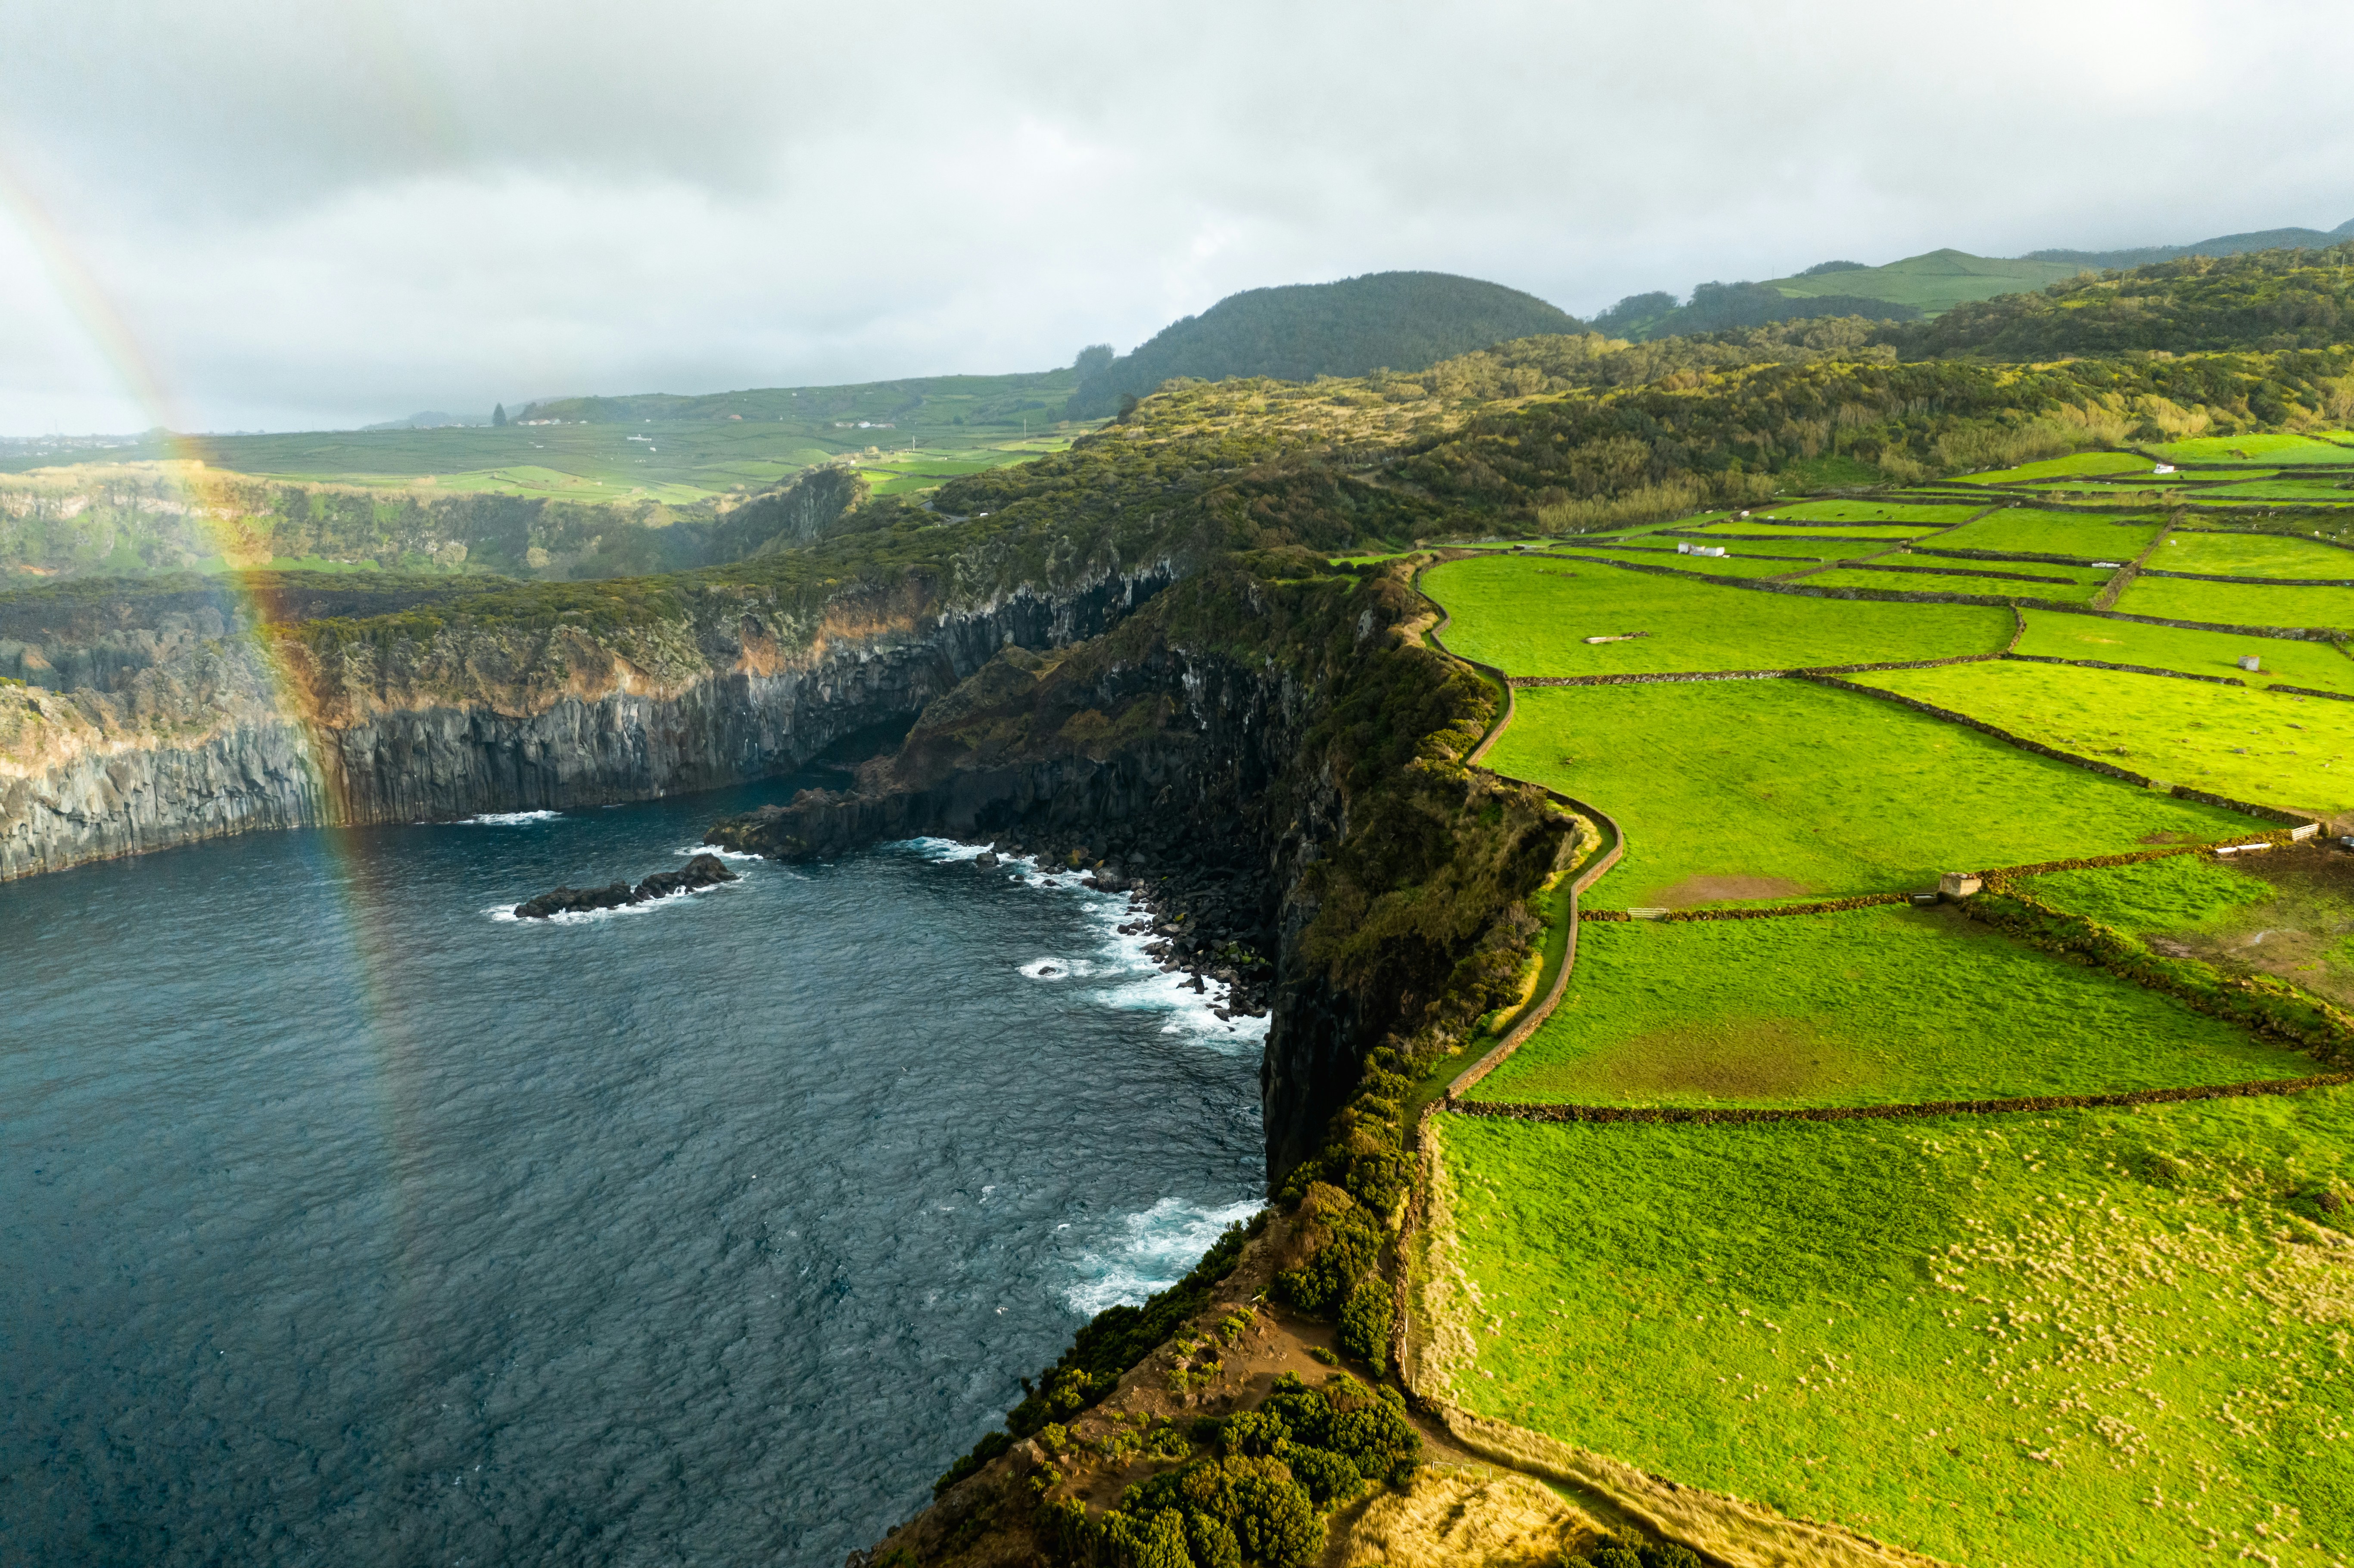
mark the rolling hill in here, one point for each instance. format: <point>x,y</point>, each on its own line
<point>1404,322</point>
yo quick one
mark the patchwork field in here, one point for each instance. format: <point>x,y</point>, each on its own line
<point>2081,588</point>
<point>2090,1337</point>
<point>1780,528</point>
<point>1877,1006</point>
<point>1529,617</point>
<point>1733,791</point>
<point>2322,666</point>
<point>2074,533</point>
<point>1726,566</point>
<point>2239,604</point>
<point>2253,556</point>
<point>2248,745</point>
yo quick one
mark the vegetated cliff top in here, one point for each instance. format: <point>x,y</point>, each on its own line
<point>1404,320</point>
<point>2221,245</point>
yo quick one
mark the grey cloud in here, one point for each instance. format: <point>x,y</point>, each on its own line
<point>314,215</point>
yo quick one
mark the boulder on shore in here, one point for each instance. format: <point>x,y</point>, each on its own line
<point>703,871</point>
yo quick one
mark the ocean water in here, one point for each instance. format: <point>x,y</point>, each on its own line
<point>346,1219</point>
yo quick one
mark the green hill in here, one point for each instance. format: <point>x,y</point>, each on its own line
<point>1932,283</point>
<point>1404,322</point>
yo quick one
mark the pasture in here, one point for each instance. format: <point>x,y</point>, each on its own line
<point>2253,556</point>
<point>1936,514</point>
<point>2277,451</point>
<point>2248,745</point>
<point>1888,1005</point>
<point>2080,535</point>
<point>2073,1339</point>
<point>1751,563</point>
<point>1529,616</point>
<point>2239,604</point>
<point>1740,790</point>
<point>1771,529</point>
<point>2080,588</point>
<point>2076,465</point>
<point>2323,666</point>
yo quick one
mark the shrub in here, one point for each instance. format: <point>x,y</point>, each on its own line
<point>1330,1478</point>
<point>1213,1543</point>
<point>1154,1542</point>
<point>1365,1321</point>
<point>1631,1551</point>
<point>1370,1431</point>
<point>1351,1243</point>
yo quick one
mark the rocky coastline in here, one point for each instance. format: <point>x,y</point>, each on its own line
<point>704,871</point>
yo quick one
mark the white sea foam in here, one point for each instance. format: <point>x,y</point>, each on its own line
<point>1059,968</point>
<point>509,819</point>
<point>587,917</point>
<point>1151,1250</point>
<point>722,853</point>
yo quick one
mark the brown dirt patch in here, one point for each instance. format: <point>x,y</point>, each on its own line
<point>1740,1059</point>
<point>1694,890</point>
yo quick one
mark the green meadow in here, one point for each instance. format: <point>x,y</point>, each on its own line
<point>2091,538</point>
<point>2239,604</point>
<point>1726,566</point>
<point>1764,528</point>
<point>2323,666</point>
<point>2268,748</point>
<point>2281,450</point>
<point>1890,1005</point>
<point>2078,589</point>
<point>2183,893</point>
<point>2312,492</point>
<point>2077,1339</point>
<point>1529,616</point>
<point>2253,556</point>
<point>1736,790</point>
<point>2076,465</point>
<point>1875,512</point>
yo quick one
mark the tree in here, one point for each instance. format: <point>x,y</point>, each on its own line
<point>499,415</point>
<point>1093,359</point>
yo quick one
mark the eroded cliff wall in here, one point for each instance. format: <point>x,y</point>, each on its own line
<point>136,722</point>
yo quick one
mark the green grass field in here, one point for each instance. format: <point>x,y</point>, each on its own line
<point>2315,491</point>
<point>1937,280</point>
<point>2081,588</point>
<point>1729,566</point>
<point>1737,790</point>
<point>1882,1006</point>
<point>2238,604</point>
<point>2076,465</point>
<point>2319,665</point>
<point>2181,892</point>
<point>2272,450</point>
<point>2269,748</point>
<point>2253,555</point>
<point>1873,512</point>
<point>2081,1340</point>
<point>1528,617</point>
<point>2055,534</point>
<point>1893,533</point>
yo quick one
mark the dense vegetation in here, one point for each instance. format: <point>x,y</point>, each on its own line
<point>1404,320</point>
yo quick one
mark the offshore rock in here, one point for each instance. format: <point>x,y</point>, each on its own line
<point>704,871</point>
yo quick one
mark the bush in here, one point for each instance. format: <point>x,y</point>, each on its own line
<point>1353,1242</point>
<point>1330,1478</point>
<point>1631,1551</point>
<point>1370,1431</point>
<point>1365,1323</point>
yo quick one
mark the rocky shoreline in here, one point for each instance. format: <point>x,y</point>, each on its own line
<point>1205,919</point>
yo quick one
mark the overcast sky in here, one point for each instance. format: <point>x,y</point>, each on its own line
<point>284,214</point>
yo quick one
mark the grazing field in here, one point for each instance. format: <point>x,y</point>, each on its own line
<point>2239,604</point>
<point>2076,465</point>
<point>1875,512</point>
<point>2074,1340</point>
<point>2253,556</point>
<point>2323,666</point>
<point>1528,617</point>
<point>1729,566</point>
<point>1890,1005</point>
<point>2286,912</point>
<point>2316,492</point>
<point>2263,747</point>
<point>2274,450</point>
<point>1733,791</point>
<point>2055,534</point>
<point>1765,528</point>
<point>2081,588</point>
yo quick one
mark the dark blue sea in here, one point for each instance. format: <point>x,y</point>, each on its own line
<point>345,1219</point>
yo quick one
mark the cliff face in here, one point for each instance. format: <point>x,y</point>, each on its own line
<point>144,723</point>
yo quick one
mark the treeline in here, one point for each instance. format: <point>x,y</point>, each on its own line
<point>1719,307</point>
